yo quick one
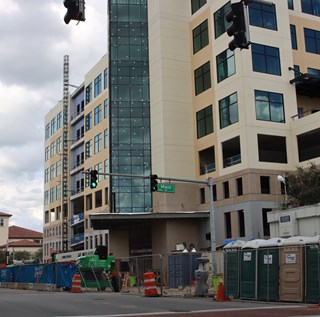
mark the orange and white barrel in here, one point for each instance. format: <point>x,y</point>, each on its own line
<point>149,282</point>
<point>76,284</point>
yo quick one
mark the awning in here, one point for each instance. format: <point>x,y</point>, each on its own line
<point>104,221</point>
<point>307,85</point>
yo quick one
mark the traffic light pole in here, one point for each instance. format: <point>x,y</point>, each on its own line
<point>207,182</point>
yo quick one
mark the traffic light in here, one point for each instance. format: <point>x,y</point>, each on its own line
<point>238,28</point>
<point>93,179</point>
<point>154,182</point>
<point>75,10</point>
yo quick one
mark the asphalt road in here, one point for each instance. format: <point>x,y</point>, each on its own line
<point>18,303</point>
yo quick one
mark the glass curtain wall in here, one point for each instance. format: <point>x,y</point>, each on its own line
<point>130,151</point>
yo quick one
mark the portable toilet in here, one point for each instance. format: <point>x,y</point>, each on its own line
<point>312,270</point>
<point>248,269</point>
<point>268,269</point>
<point>292,257</point>
<point>232,268</point>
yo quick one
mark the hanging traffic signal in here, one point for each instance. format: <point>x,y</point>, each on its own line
<point>93,179</point>
<point>154,182</point>
<point>238,28</point>
<point>75,10</point>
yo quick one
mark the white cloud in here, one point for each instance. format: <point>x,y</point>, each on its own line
<point>33,42</point>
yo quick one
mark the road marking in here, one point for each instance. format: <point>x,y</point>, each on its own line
<point>193,311</point>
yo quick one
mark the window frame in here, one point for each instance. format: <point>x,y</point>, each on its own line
<point>228,105</point>
<point>204,119</point>
<point>269,101</point>
<point>220,23</point>
<point>266,56</point>
<point>200,35</point>
<point>261,18</point>
<point>225,63</point>
<point>202,78</point>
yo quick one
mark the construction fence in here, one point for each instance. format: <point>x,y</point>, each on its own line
<point>289,273</point>
<point>29,275</point>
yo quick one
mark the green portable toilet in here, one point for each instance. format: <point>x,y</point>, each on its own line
<point>232,268</point>
<point>248,271</point>
<point>268,270</point>
<point>312,267</point>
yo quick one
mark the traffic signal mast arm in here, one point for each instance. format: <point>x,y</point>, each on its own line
<point>207,182</point>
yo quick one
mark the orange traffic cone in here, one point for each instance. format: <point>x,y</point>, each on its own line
<point>220,293</point>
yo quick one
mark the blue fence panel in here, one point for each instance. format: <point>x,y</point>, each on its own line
<point>54,273</point>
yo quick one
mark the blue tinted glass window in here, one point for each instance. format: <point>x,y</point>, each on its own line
<point>311,7</point>
<point>312,40</point>
<point>266,59</point>
<point>262,15</point>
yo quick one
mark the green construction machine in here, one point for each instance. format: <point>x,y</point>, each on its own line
<point>99,271</point>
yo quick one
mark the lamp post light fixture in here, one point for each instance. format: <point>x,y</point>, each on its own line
<point>282,179</point>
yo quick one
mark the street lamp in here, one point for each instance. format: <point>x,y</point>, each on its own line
<point>282,179</point>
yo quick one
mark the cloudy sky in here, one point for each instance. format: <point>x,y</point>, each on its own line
<point>33,42</point>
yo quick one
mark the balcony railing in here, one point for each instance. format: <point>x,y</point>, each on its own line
<point>79,238</point>
<point>233,160</point>
<point>77,218</point>
<point>205,169</point>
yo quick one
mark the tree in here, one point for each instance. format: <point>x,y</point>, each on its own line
<point>304,186</point>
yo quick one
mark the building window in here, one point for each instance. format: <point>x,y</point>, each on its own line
<point>272,148</point>
<point>265,184</point>
<point>265,59</point>
<point>88,149</point>
<point>266,226</point>
<point>98,198</point>
<point>220,22</point>
<point>263,15</point>
<point>97,86</point>
<point>88,93</point>
<point>106,168</point>
<point>269,106</point>
<point>314,71</point>
<point>228,110</point>
<point>231,152</point>
<point>59,120</point>
<point>312,39</point>
<point>106,108</point>
<point>207,161</point>
<point>239,186</point>
<point>290,4</point>
<point>214,192</point>
<point>202,78</point>
<point>97,114</point>
<point>200,37</point>
<point>226,193</point>
<point>242,230</point>
<point>53,126</point>
<point>293,33</point>
<point>227,220</point>
<point>225,65</point>
<point>98,143</point>
<point>204,122</point>
<point>58,144</point>
<point>88,121</point>
<point>202,196</point>
<point>106,138</point>
<point>105,79</point>
<point>196,5</point>
<point>46,153</point>
<point>311,7</point>
<point>47,134</point>
<point>1,222</point>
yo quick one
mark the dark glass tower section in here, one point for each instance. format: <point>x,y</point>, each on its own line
<point>130,151</point>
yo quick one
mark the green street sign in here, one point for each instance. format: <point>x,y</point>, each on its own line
<point>166,187</point>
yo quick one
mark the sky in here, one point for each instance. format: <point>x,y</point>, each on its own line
<point>33,42</point>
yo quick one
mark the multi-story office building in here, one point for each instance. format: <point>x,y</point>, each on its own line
<point>183,106</point>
